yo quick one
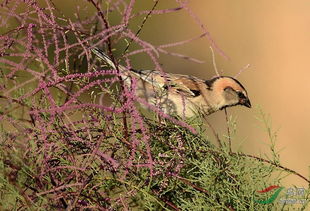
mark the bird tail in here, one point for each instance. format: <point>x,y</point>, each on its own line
<point>103,56</point>
<point>125,75</point>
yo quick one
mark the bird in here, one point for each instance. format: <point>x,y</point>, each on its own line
<point>182,95</point>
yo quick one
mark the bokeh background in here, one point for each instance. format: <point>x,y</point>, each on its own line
<point>273,37</point>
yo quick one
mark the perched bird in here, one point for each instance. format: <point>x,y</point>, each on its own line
<point>183,95</point>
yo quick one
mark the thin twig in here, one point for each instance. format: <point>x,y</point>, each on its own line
<point>243,69</point>
<point>228,130</point>
<point>106,24</point>
<point>214,132</point>
<point>141,26</point>
<point>169,203</point>
<point>214,62</point>
<point>274,164</point>
<point>186,181</point>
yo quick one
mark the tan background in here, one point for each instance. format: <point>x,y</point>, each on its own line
<point>274,38</point>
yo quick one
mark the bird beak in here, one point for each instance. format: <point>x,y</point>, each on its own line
<point>246,102</point>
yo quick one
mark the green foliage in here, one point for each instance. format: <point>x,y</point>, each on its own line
<point>188,172</point>
<point>196,175</point>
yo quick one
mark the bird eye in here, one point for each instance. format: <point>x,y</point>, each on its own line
<point>241,95</point>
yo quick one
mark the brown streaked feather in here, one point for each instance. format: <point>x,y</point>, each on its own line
<point>181,84</point>
<point>189,85</point>
<point>191,82</point>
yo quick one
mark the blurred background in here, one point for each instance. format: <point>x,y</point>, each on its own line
<point>273,37</point>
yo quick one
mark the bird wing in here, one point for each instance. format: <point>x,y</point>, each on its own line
<point>186,85</point>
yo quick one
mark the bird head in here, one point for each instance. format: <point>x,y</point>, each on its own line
<point>227,92</point>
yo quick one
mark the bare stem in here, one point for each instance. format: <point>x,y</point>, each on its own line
<point>141,26</point>
<point>228,130</point>
<point>274,164</point>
